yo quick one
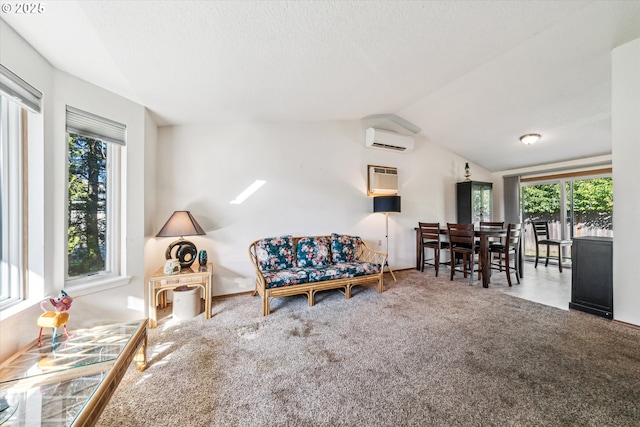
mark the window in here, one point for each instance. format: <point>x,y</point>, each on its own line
<point>93,198</point>
<point>18,100</point>
<point>11,202</point>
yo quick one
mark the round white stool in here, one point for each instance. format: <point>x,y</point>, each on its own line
<point>186,303</point>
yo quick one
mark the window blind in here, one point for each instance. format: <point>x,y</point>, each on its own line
<point>93,126</point>
<point>511,189</point>
<point>14,87</point>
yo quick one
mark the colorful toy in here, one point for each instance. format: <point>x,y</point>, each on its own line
<point>55,319</point>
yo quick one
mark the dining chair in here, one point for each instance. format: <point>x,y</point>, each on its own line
<point>493,241</point>
<point>541,234</point>
<point>510,246</point>
<point>430,239</point>
<point>462,242</point>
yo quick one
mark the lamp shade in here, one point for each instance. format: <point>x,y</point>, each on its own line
<point>386,204</point>
<point>181,223</point>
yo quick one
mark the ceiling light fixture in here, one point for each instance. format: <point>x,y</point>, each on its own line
<point>530,138</point>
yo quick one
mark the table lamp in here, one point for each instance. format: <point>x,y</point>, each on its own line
<point>180,224</point>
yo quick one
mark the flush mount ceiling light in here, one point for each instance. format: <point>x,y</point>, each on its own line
<point>530,138</point>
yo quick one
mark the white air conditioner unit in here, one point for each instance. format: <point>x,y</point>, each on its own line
<point>383,180</point>
<point>385,140</point>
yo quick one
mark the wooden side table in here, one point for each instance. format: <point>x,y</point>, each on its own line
<point>160,283</point>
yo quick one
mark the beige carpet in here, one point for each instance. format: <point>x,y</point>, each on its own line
<point>425,352</point>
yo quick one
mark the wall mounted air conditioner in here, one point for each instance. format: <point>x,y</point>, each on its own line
<point>385,140</point>
<point>383,180</point>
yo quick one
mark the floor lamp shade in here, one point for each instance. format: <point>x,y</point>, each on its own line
<point>386,204</point>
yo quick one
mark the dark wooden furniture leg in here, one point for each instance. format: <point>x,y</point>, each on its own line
<point>418,250</point>
<point>484,260</point>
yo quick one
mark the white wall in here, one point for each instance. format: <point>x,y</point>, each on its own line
<point>47,241</point>
<point>150,227</point>
<point>316,185</point>
<point>626,157</point>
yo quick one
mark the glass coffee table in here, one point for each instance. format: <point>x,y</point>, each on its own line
<point>69,383</point>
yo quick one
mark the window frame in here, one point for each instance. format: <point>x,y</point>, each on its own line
<point>562,180</point>
<point>113,274</point>
<point>566,201</point>
<point>14,119</point>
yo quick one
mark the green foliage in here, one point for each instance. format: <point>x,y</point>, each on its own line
<point>87,205</point>
<point>593,195</point>
<point>592,202</point>
<point>541,199</point>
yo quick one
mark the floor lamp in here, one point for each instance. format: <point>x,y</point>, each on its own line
<point>386,204</point>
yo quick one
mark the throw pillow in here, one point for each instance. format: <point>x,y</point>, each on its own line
<point>313,251</point>
<point>344,248</point>
<point>275,253</point>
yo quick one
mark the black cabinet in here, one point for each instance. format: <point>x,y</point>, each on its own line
<point>474,201</point>
<point>592,275</point>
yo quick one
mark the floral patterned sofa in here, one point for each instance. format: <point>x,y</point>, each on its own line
<point>288,265</point>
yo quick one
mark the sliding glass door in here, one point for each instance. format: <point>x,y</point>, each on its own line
<point>591,203</point>
<point>543,202</point>
<point>572,206</point>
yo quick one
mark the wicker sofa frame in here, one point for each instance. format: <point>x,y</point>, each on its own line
<point>364,253</point>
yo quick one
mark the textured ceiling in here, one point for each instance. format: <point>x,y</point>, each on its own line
<point>474,76</point>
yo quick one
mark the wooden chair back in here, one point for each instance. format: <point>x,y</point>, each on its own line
<point>461,237</point>
<point>540,230</point>
<point>514,233</point>
<point>492,224</point>
<point>462,245</point>
<point>541,234</point>
<point>511,247</point>
<point>430,233</point>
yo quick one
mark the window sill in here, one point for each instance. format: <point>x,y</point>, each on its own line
<point>76,290</point>
<point>16,308</point>
<point>94,286</point>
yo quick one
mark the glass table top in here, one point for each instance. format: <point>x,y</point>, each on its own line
<point>55,404</point>
<point>51,384</point>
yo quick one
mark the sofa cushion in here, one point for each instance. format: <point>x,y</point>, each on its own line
<point>328,272</point>
<point>313,252</point>
<point>291,276</point>
<point>275,253</point>
<point>344,248</point>
<point>361,268</point>
<point>342,270</point>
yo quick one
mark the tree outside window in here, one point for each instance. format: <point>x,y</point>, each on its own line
<point>87,206</point>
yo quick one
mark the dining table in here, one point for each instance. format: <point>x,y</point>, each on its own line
<point>483,234</point>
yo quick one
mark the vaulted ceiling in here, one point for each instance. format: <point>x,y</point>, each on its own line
<point>473,76</point>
